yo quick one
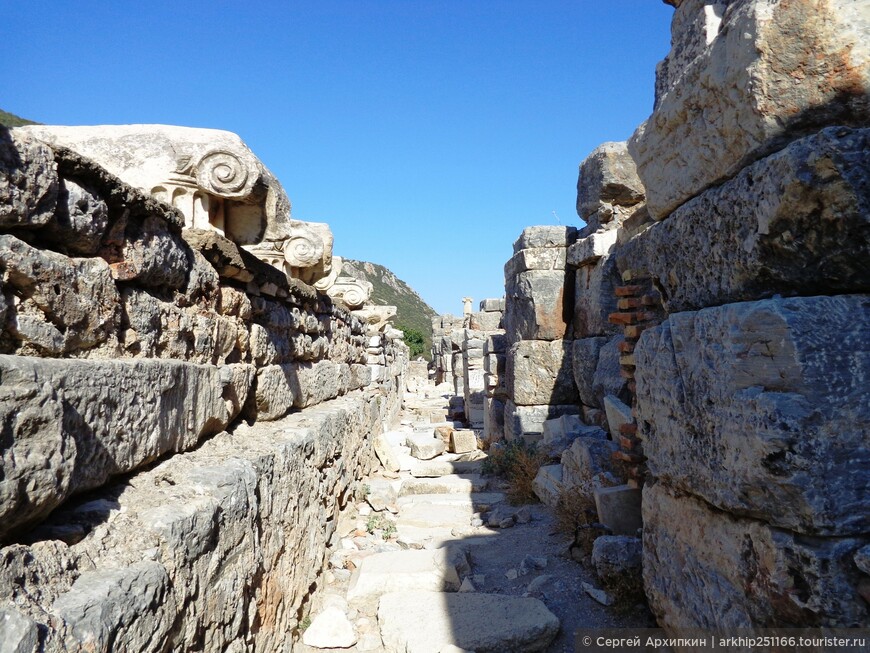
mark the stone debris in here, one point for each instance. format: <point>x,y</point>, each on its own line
<point>403,570</point>
<point>330,629</point>
<point>425,446</point>
<point>599,595</point>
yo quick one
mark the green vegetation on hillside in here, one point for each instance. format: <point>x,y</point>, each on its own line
<point>11,120</point>
<point>413,315</point>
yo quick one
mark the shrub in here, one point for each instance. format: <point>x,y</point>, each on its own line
<point>519,463</point>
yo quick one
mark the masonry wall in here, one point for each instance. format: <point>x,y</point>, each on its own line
<point>181,422</point>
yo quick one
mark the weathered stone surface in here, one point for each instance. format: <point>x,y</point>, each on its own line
<point>20,633</point>
<point>463,441</point>
<point>75,423</point>
<point>588,250</point>
<point>208,174</point>
<point>428,622</point>
<point>80,221</point>
<point>235,532</point>
<point>297,385</point>
<point>584,361</point>
<point>65,304</point>
<point>607,176</point>
<point>545,236</point>
<point>539,305</point>
<point>793,223</point>
<point>28,181</point>
<point>541,372</point>
<point>446,485</point>
<point>492,304</point>
<point>547,485</point>
<point>765,74</point>
<point>618,559</point>
<point>588,462</point>
<point>594,299</point>
<point>619,508</point>
<point>775,415</point>
<point>485,320</point>
<point>399,571</point>
<point>541,258</point>
<point>527,422</point>
<point>706,569</point>
<point>618,413</point>
<point>425,447</point>
<point>330,629</point>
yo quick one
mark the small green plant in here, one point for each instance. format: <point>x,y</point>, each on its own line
<point>366,489</point>
<point>378,522</point>
<point>305,623</point>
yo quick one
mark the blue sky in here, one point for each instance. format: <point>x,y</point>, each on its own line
<point>427,134</point>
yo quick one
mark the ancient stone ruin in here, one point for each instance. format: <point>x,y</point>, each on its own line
<point>212,440</point>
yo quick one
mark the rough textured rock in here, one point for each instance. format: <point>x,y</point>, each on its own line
<point>758,75</point>
<point>28,181</point>
<point>527,422</point>
<point>62,305</point>
<point>539,305</point>
<point>297,385</point>
<point>590,249</point>
<point>584,361</point>
<point>427,622</point>
<point>588,463</point>
<point>545,236</point>
<point>707,569</point>
<point>607,176</point>
<point>80,221</point>
<point>547,484</point>
<point>775,415</point>
<point>594,300</point>
<point>618,559</point>
<point>330,629</point>
<point>541,372</point>
<point>74,423</point>
<point>793,223</point>
<point>207,549</point>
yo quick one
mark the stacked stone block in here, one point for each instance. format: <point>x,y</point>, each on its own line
<point>538,316</point>
<point>494,362</point>
<point>752,400</point>
<point>130,345</point>
<point>480,325</point>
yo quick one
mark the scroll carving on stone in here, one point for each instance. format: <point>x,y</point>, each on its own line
<point>353,293</point>
<point>376,317</point>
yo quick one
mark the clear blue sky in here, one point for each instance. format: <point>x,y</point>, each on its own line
<point>427,134</point>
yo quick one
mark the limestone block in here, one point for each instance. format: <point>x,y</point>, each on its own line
<point>353,293</point>
<point>203,548</point>
<point>619,508</point>
<point>463,441</point>
<point>795,222</point>
<point>446,485</point>
<point>541,258</point>
<point>492,305</point>
<point>539,305</point>
<point>485,321</point>
<point>75,423</point>
<point>209,175</point>
<point>618,560</point>
<point>548,485</point>
<point>607,176</point>
<point>426,622</point>
<point>704,568</point>
<point>527,422</point>
<point>617,413</point>
<point>541,372</point>
<point>768,74</point>
<point>297,385</point>
<point>398,571</point>
<point>385,453</point>
<point>775,414</point>
<point>28,181</point>
<point>376,318</point>
<point>608,379</point>
<point>588,250</point>
<point>493,420</point>
<point>46,320</point>
<point>495,343</point>
<point>20,632</point>
<point>594,298</point>
<point>588,461</point>
<point>330,629</point>
<point>80,221</point>
<point>425,446</point>
<point>545,236</point>
<point>584,360</point>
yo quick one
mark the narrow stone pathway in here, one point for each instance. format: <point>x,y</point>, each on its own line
<point>433,556</point>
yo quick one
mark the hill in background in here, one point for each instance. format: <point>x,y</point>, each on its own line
<point>11,120</point>
<point>411,311</point>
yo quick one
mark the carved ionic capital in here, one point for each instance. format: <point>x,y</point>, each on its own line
<point>375,317</point>
<point>353,293</point>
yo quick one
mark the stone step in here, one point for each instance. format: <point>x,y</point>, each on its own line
<point>481,501</point>
<point>397,571</point>
<point>445,485</point>
<point>426,622</point>
<point>435,468</point>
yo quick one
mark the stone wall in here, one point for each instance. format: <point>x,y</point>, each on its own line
<point>719,320</point>
<point>139,510</point>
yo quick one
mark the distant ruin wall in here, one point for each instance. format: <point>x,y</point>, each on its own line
<point>140,513</point>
